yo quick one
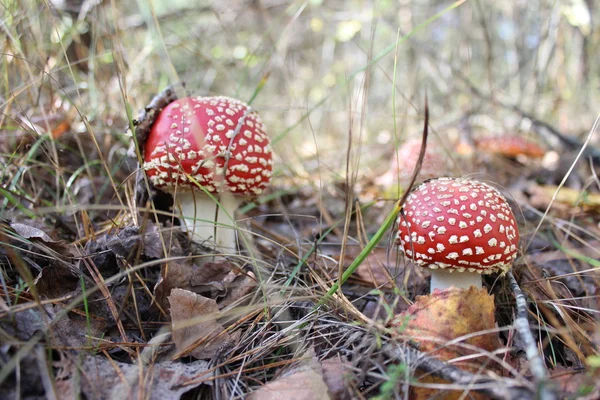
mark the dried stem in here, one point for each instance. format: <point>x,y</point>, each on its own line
<point>538,370</point>
<point>492,388</point>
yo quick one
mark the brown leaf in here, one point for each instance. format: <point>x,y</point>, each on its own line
<point>336,373</point>
<point>446,315</point>
<point>195,327</point>
<point>222,281</point>
<point>127,240</point>
<point>239,287</point>
<point>98,378</point>
<point>57,281</point>
<point>302,385</point>
<point>307,380</point>
<point>75,330</point>
<point>68,329</point>
<point>29,232</point>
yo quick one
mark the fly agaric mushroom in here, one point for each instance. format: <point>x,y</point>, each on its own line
<point>216,145</point>
<point>460,229</point>
<point>403,163</point>
<point>510,146</point>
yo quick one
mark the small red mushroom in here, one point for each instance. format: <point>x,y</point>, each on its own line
<point>510,146</point>
<point>457,225</point>
<point>208,144</point>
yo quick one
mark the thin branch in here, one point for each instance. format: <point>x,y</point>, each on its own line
<point>538,370</point>
<point>541,127</point>
<point>493,388</point>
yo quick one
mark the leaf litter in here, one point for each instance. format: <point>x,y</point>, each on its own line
<point>103,296</point>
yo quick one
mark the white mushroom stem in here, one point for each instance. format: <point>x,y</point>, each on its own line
<point>443,279</point>
<point>199,217</point>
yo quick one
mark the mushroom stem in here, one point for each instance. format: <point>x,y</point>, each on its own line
<point>199,217</point>
<point>442,279</point>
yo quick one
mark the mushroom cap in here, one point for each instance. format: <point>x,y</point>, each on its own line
<point>510,146</point>
<point>458,224</point>
<point>220,142</point>
<point>434,161</point>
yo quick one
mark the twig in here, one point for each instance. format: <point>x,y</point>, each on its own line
<point>541,127</point>
<point>493,388</point>
<point>538,370</point>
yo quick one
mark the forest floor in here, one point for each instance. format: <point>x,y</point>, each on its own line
<point>103,296</point>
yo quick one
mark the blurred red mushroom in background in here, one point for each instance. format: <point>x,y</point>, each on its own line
<point>510,146</point>
<point>405,159</point>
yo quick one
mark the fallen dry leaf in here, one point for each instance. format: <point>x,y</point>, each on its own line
<point>309,379</point>
<point>127,241</point>
<point>68,330</point>
<point>336,373</point>
<point>35,235</point>
<point>28,231</point>
<point>541,196</point>
<point>98,378</point>
<point>239,287</point>
<point>222,281</point>
<point>445,315</point>
<point>301,385</point>
<point>195,328</point>
<point>57,281</point>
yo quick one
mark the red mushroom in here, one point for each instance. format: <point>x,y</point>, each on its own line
<point>510,146</point>
<point>456,225</point>
<point>208,144</point>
